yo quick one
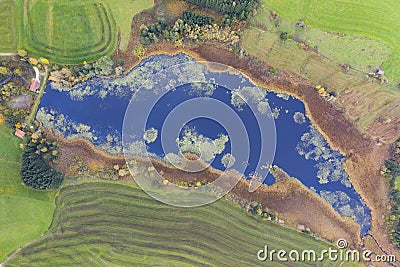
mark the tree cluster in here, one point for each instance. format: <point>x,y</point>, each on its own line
<point>11,89</point>
<point>48,149</point>
<point>392,172</point>
<point>240,9</point>
<point>14,116</point>
<point>104,66</point>
<point>256,209</point>
<point>192,19</point>
<point>7,92</point>
<point>35,172</point>
<point>149,34</point>
<point>180,30</point>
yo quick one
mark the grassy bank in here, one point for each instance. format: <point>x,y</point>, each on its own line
<point>101,224</point>
<point>123,12</point>
<point>364,100</point>
<point>25,214</point>
<point>377,21</point>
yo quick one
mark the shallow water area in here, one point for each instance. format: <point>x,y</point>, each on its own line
<point>95,110</point>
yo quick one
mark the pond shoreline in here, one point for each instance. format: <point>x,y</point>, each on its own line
<point>363,158</point>
<point>288,198</point>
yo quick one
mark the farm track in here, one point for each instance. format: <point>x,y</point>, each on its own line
<point>36,104</point>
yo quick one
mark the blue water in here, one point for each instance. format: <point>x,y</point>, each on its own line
<point>105,113</point>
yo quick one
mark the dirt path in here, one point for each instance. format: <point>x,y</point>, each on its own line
<point>6,54</point>
<point>16,252</point>
<point>36,104</point>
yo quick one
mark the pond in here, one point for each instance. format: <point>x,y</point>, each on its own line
<point>95,110</point>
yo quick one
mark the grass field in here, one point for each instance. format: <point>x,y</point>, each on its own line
<point>378,21</point>
<point>24,214</point>
<point>67,32</point>
<point>123,12</point>
<point>104,224</point>
<point>364,101</point>
<point>361,53</point>
<point>8,26</point>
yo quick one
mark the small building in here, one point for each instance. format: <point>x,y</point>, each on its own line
<point>35,84</point>
<point>379,72</point>
<point>301,24</point>
<point>20,134</point>
<point>301,227</point>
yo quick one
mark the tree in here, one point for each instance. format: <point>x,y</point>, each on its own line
<point>3,70</point>
<point>22,53</point>
<point>104,66</point>
<point>44,61</point>
<point>145,40</point>
<point>18,71</point>
<point>33,61</point>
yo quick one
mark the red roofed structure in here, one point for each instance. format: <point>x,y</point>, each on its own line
<point>20,134</point>
<point>35,84</point>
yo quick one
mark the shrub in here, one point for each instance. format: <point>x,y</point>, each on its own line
<point>283,36</point>
<point>139,51</point>
<point>22,53</point>
<point>272,70</point>
<point>104,66</point>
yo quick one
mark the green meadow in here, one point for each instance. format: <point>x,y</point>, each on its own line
<point>347,39</point>
<point>8,26</point>
<point>67,32</point>
<point>374,26</point>
<point>123,12</point>
<point>25,214</point>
